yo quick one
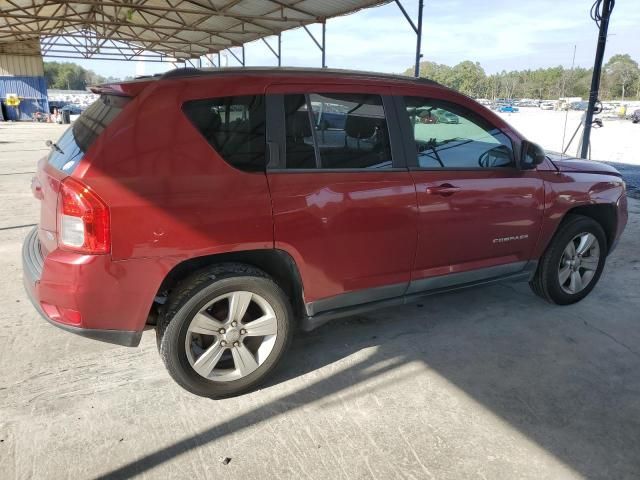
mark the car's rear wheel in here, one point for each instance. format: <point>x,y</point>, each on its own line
<point>573,262</point>
<point>224,330</point>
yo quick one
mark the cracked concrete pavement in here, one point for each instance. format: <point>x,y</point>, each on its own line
<point>486,383</point>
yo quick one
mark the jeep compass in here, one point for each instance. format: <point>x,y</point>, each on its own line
<point>230,207</point>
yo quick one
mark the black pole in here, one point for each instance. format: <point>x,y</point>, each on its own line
<point>595,79</point>
<point>324,45</point>
<point>416,72</point>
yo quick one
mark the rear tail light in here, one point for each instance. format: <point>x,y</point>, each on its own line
<point>83,219</point>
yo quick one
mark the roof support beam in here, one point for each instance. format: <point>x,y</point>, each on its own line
<point>418,30</point>
<point>178,29</point>
<point>240,61</point>
<point>278,54</point>
<point>321,46</point>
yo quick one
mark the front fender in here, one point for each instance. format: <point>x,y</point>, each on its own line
<point>567,191</point>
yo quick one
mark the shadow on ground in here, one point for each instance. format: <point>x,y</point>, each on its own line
<point>571,387</point>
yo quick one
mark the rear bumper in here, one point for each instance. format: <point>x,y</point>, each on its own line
<point>32,266</point>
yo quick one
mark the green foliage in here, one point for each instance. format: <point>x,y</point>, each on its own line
<point>69,76</point>
<point>623,73</point>
<point>620,79</point>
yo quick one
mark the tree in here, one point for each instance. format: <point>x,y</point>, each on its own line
<point>467,77</point>
<point>622,71</point>
<point>69,76</point>
<point>620,77</point>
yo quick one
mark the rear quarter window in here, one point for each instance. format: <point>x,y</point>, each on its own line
<point>79,137</point>
<point>234,127</point>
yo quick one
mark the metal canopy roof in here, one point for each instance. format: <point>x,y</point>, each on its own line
<point>155,29</point>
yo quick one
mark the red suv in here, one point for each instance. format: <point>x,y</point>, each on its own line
<point>229,207</point>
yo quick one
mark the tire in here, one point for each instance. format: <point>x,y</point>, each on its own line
<point>546,282</point>
<point>181,340</point>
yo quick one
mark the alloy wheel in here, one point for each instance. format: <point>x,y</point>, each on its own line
<point>231,336</point>
<point>579,263</point>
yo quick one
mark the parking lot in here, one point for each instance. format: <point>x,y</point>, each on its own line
<point>489,383</point>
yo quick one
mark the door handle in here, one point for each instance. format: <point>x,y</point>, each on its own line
<point>445,190</point>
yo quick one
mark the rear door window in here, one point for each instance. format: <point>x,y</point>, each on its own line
<point>79,137</point>
<point>336,131</point>
<point>234,127</point>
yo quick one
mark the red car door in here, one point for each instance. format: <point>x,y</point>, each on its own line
<point>343,205</point>
<point>479,215</point>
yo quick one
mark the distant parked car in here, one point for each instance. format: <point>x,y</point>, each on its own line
<point>56,105</point>
<point>526,103</point>
<point>74,112</point>
<point>72,109</point>
<point>435,115</point>
<point>580,106</point>
<point>547,106</point>
<point>635,116</point>
<point>508,109</point>
<point>444,116</point>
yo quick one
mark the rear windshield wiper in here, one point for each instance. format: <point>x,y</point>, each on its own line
<point>54,146</point>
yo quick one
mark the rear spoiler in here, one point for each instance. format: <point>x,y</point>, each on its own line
<point>122,89</point>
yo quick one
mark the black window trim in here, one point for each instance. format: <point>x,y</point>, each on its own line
<point>409,141</point>
<point>276,136</point>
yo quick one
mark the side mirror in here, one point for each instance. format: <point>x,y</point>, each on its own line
<point>531,155</point>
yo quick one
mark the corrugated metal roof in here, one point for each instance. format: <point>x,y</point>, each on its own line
<point>24,87</point>
<point>181,29</point>
<point>25,65</point>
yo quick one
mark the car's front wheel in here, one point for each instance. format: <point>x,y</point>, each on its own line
<point>224,330</point>
<point>573,262</point>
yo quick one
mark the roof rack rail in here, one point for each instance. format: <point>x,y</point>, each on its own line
<point>191,72</point>
<point>182,72</point>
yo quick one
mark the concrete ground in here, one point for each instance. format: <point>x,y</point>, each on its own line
<point>490,383</point>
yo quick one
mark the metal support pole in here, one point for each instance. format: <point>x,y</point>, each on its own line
<point>240,61</point>
<point>419,41</point>
<point>277,54</point>
<point>219,62</point>
<point>324,45</point>
<point>321,47</point>
<point>607,7</point>
<point>279,49</point>
<point>417,29</point>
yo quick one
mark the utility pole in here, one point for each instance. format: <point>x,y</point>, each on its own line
<point>603,18</point>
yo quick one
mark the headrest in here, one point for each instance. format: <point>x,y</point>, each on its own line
<point>362,127</point>
<point>204,117</point>
<point>298,124</point>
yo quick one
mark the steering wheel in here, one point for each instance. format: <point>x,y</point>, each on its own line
<point>483,160</point>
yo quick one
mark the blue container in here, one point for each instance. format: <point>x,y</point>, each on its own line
<point>32,92</point>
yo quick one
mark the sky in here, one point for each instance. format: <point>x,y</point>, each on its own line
<point>500,34</point>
